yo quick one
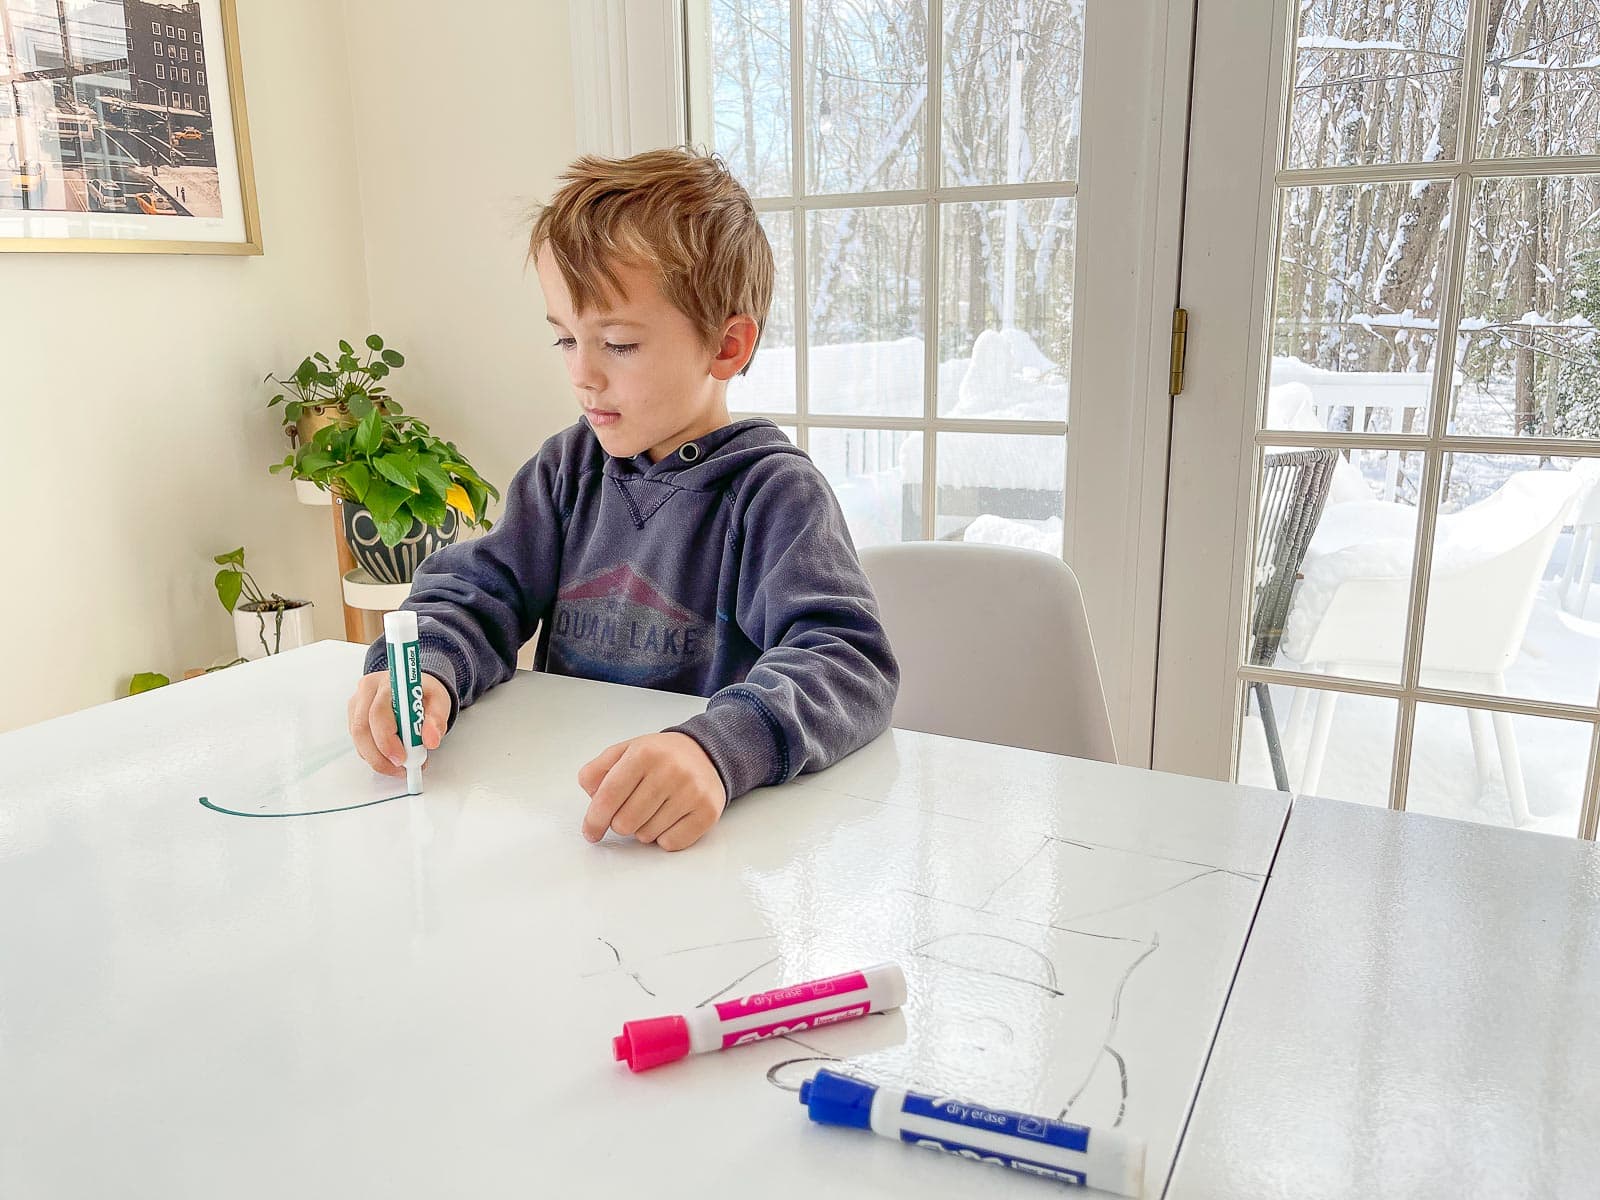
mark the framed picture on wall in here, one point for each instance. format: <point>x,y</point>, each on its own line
<point>122,128</point>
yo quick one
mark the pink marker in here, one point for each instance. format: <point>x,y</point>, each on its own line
<point>649,1043</point>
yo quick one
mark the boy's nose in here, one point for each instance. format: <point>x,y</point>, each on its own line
<point>586,373</point>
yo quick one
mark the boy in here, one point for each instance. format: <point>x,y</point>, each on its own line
<point>656,542</point>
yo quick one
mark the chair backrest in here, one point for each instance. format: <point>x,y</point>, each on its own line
<point>1294,489</point>
<point>994,646</point>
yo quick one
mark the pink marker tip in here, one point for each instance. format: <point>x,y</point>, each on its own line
<point>646,1044</point>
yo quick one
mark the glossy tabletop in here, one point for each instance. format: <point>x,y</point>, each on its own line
<point>232,964</point>
<point>1418,1015</point>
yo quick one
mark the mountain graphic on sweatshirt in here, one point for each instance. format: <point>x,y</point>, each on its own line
<point>618,620</point>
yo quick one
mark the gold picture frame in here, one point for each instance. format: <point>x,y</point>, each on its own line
<point>120,166</point>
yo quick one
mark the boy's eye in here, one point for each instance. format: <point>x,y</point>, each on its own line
<point>567,343</point>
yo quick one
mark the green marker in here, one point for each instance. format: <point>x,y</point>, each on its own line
<point>405,691</point>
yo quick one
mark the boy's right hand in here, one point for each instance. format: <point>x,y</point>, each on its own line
<point>372,726</point>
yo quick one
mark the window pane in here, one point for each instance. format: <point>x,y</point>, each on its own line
<point>1013,74</point>
<point>996,487</point>
<point>1504,615</point>
<point>1541,83</point>
<point>1325,743</point>
<point>750,70</point>
<point>1005,309</point>
<point>1498,769</point>
<point>1334,602</point>
<point>1528,358</point>
<point>866,92</point>
<point>1357,306</point>
<point>864,267</point>
<point>865,467</point>
<point>770,384</point>
<point>1376,83</point>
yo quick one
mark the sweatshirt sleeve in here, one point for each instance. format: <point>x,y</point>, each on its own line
<point>478,601</point>
<point>825,683</point>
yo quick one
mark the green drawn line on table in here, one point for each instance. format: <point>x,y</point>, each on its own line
<point>233,812</point>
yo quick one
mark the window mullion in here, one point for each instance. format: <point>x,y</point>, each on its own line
<point>933,113</point>
<point>1444,359</point>
<point>799,232</point>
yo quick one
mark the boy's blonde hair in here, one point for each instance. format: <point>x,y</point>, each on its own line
<point>676,212</point>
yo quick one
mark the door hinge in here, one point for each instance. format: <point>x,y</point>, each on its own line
<point>1180,345</point>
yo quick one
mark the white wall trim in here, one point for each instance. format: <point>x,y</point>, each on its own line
<point>627,70</point>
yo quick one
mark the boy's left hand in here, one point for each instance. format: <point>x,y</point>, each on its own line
<point>658,788</point>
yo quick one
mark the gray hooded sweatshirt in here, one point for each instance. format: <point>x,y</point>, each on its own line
<point>724,570</point>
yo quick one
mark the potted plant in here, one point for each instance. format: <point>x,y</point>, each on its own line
<point>404,492</point>
<point>263,622</point>
<point>318,392</point>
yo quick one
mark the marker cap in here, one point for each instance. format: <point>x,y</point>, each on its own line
<point>400,625</point>
<point>649,1043</point>
<point>835,1099</point>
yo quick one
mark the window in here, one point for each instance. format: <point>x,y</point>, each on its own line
<point>183,53</point>
<point>188,100</point>
<point>158,48</point>
<point>196,37</point>
<point>186,74</point>
<point>1434,336</point>
<point>199,55</point>
<point>183,35</point>
<point>155,28</point>
<point>161,96</point>
<point>918,343</point>
<point>169,32</point>
<point>200,78</point>
<point>161,71</point>
<point>202,102</point>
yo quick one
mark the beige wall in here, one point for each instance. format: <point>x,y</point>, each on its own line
<point>450,165</point>
<point>394,183</point>
<point>139,452</point>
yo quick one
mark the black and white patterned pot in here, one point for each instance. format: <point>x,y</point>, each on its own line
<point>394,564</point>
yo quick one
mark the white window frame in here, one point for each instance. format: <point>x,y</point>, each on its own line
<point>633,95</point>
<point>155,28</point>
<point>161,71</point>
<point>1238,106</point>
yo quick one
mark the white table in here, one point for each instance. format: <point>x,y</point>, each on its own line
<point>417,997</point>
<point>1418,1015</point>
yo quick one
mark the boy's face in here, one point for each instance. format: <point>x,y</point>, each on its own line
<point>641,371</point>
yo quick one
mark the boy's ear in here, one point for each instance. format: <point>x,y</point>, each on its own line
<point>739,336</point>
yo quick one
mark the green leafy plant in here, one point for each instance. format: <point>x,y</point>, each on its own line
<point>146,681</point>
<point>321,383</point>
<point>233,581</point>
<point>395,466</point>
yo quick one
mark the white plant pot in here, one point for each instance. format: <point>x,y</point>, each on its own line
<point>251,629</point>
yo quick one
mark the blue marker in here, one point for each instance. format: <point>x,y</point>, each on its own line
<point>405,691</point>
<point>1110,1161</point>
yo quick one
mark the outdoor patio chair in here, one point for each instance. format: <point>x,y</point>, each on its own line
<point>1294,490</point>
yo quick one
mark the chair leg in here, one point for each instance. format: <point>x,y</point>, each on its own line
<point>1511,763</point>
<point>1269,725</point>
<point>1478,727</point>
<point>1569,577</point>
<point>1297,712</point>
<point>1317,752</point>
<point>1591,544</point>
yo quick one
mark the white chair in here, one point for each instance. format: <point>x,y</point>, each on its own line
<point>994,646</point>
<point>1584,553</point>
<point>1349,613</point>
